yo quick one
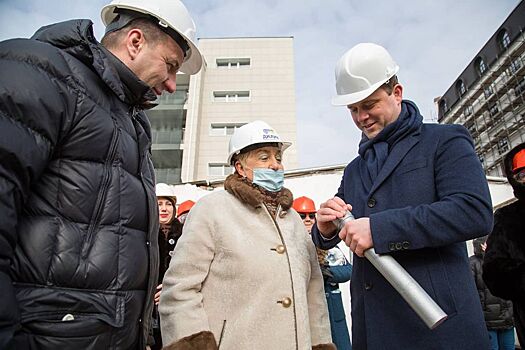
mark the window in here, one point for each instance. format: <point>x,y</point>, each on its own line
<point>480,65</point>
<point>460,86</point>
<point>520,87</point>
<point>493,109</point>
<point>515,66</point>
<point>481,158</point>
<point>233,62</point>
<point>503,145</point>
<point>504,39</point>
<point>231,96</point>
<point>471,127</point>
<point>223,129</point>
<point>488,91</point>
<point>219,169</point>
<point>468,110</point>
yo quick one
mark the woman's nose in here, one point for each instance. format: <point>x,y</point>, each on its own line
<point>275,164</point>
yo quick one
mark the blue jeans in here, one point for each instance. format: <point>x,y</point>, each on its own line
<point>502,339</point>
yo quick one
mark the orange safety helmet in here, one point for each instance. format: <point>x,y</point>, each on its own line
<point>304,205</point>
<point>185,207</point>
<point>518,161</point>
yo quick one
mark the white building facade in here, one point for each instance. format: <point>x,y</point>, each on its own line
<point>242,80</point>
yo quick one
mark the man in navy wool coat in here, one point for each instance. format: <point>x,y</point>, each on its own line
<point>417,192</point>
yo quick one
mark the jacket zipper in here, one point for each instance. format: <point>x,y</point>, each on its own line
<point>289,270</point>
<point>101,198</point>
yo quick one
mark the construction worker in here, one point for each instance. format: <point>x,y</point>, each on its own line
<point>504,261</point>
<point>244,274</point>
<point>335,269</point>
<point>183,210</point>
<point>418,192</point>
<point>79,223</point>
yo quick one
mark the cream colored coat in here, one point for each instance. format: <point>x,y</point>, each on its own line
<point>233,271</point>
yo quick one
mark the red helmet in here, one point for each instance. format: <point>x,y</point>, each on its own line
<point>518,161</point>
<point>185,207</point>
<point>304,205</point>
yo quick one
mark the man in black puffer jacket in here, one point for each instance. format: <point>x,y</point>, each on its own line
<point>78,213</point>
<point>497,311</point>
<point>504,263</point>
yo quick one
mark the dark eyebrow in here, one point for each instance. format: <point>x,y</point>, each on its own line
<point>371,101</point>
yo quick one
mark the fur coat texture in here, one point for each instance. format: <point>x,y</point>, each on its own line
<point>242,278</point>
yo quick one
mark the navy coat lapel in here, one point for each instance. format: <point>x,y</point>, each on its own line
<point>400,150</point>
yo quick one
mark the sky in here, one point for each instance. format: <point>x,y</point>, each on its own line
<point>432,42</point>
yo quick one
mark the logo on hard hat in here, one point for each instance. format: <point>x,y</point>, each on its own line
<point>270,135</point>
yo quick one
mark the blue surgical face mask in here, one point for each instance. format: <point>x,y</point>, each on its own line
<point>270,180</point>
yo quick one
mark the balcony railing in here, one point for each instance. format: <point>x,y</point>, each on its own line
<point>167,137</point>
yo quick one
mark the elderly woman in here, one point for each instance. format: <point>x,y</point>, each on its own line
<point>244,274</point>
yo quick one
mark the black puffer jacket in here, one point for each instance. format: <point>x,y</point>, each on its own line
<point>78,228</point>
<point>504,262</point>
<point>497,311</point>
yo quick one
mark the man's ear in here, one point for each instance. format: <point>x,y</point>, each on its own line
<point>398,92</point>
<point>135,42</point>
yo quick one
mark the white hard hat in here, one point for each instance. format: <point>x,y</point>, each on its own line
<point>171,14</point>
<point>251,134</point>
<point>361,71</point>
<point>165,190</point>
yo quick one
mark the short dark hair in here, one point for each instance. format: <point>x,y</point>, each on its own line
<point>388,86</point>
<point>152,33</point>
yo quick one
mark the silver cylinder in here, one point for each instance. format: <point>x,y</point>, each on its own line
<point>418,299</point>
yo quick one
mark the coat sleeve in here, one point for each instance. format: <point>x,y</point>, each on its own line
<point>340,274</point>
<point>504,262</point>
<point>31,113</point>
<point>181,308</point>
<point>317,238</point>
<point>462,208</point>
<point>317,308</point>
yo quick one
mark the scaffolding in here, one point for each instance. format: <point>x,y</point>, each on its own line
<point>493,108</point>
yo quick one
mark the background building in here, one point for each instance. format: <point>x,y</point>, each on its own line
<point>488,97</point>
<point>243,79</point>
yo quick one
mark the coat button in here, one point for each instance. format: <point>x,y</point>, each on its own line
<point>406,244</point>
<point>399,246</point>
<point>392,246</point>
<point>371,203</point>
<point>285,302</point>
<point>68,317</point>
<point>368,286</point>
<point>280,249</point>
